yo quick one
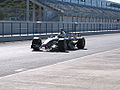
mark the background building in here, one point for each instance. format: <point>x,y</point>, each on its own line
<point>78,10</point>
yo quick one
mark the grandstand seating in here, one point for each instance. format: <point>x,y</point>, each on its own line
<point>71,9</point>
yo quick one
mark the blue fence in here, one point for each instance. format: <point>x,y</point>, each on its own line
<point>12,28</point>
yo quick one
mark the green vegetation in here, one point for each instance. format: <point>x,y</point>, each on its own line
<point>1,14</point>
<point>13,3</point>
<point>13,8</point>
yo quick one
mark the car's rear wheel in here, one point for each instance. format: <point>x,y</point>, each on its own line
<point>62,45</point>
<point>81,43</point>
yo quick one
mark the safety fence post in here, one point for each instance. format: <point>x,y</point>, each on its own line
<point>33,28</point>
<point>94,27</point>
<point>27,28</point>
<point>46,28</point>
<point>40,29</point>
<point>11,29</point>
<point>72,27</point>
<point>58,28</point>
<point>63,26</point>
<point>80,27</point>
<point>52,28</point>
<point>87,27</point>
<point>75,28</point>
<point>3,29</point>
<point>20,29</point>
<point>67,27</point>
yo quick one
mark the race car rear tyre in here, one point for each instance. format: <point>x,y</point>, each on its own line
<point>62,45</point>
<point>81,43</point>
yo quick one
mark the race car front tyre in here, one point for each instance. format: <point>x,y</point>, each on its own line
<point>81,43</point>
<point>36,43</point>
<point>35,48</point>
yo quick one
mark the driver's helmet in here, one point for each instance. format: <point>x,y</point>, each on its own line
<point>62,31</point>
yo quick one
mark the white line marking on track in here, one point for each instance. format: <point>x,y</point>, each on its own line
<point>19,70</point>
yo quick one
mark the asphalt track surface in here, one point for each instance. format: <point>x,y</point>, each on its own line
<point>17,56</point>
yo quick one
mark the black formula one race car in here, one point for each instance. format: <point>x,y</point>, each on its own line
<point>59,43</point>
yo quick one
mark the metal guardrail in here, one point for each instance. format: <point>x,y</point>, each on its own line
<point>17,28</point>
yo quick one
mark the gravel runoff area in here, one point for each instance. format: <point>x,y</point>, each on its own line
<point>99,71</point>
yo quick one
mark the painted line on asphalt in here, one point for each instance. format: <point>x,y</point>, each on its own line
<point>20,70</point>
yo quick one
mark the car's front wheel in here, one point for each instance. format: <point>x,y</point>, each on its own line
<point>36,43</point>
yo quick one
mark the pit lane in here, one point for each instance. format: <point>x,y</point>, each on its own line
<point>17,56</point>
